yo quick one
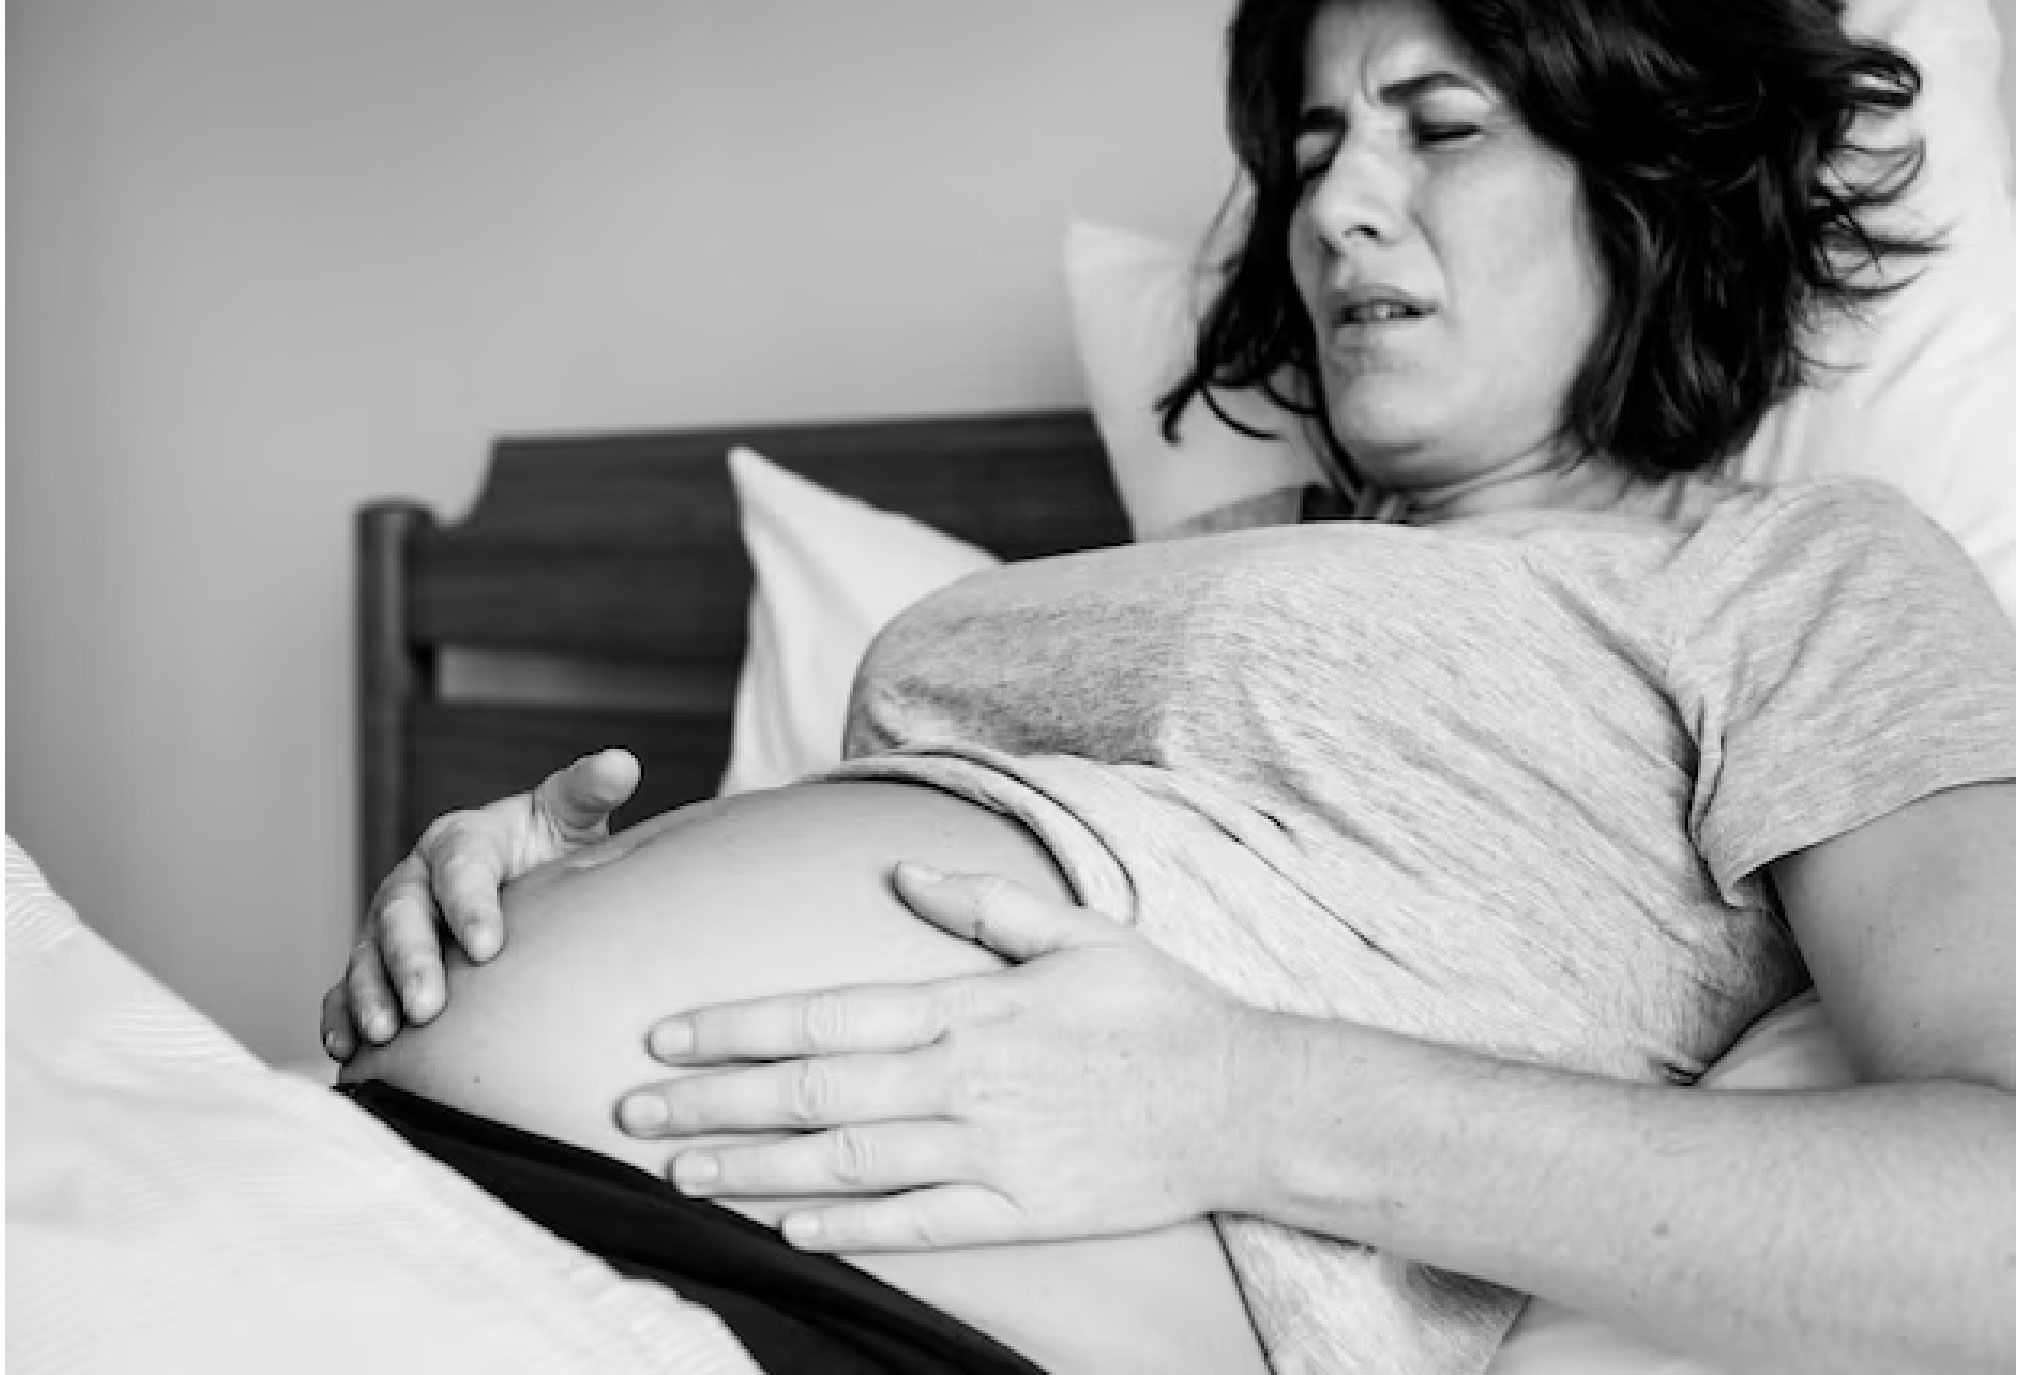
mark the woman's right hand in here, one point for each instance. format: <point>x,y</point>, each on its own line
<point>451,880</point>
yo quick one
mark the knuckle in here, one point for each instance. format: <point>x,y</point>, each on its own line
<point>824,1021</point>
<point>399,879</point>
<point>954,1004</point>
<point>468,901</point>
<point>926,1228</point>
<point>363,964</point>
<point>852,1156</point>
<point>443,830</point>
<point>810,1093</point>
<point>988,893</point>
<point>466,840</point>
<point>406,905</point>
<point>462,870</point>
<point>990,903</point>
<point>558,793</point>
<point>364,1002</point>
<point>397,944</point>
<point>962,1097</point>
<point>408,960</point>
<point>366,978</point>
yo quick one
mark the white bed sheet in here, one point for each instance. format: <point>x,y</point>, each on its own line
<point>173,1205</point>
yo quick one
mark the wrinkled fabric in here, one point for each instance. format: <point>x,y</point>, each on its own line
<point>174,1205</point>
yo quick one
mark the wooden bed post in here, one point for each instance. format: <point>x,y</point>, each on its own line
<point>391,673</point>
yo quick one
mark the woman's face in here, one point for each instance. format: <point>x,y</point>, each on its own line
<point>1442,253</point>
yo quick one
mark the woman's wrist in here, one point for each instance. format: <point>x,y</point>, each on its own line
<point>1301,1119</point>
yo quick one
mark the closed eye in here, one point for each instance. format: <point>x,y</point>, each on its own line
<point>1309,170</point>
<point>1318,135</point>
<point>1444,135</point>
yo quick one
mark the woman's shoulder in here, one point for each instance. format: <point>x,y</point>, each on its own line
<point>1813,525</point>
<point>1814,500</point>
<point>1843,558</point>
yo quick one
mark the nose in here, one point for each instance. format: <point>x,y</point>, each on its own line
<point>1362,194</point>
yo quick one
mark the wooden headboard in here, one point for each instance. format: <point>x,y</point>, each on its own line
<point>624,549</point>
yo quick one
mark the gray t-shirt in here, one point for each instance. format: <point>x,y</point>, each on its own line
<point>1509,783</point>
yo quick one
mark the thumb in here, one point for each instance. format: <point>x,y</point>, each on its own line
<point>996,912</point>
<point>580,798</point>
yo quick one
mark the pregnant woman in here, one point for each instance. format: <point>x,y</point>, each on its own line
<point>1371,893</point>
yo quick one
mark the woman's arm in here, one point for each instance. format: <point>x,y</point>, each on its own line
<point>1099,1087</point>
<point>1860,1229</point>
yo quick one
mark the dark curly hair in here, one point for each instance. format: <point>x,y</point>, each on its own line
<point>1729,199</point>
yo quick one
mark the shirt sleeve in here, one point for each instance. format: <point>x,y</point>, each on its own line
<point>1843,658</point>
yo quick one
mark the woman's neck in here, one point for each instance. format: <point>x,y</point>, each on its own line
<point>1593,486</point>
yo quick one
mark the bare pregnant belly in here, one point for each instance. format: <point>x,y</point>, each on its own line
<point>770,893</point>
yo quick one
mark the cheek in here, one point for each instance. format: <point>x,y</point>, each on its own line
<point>1524,238</point>
<point>1301,246</point>
<point>1539,268</point>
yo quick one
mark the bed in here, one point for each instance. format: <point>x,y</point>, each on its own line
<point>601,589</point>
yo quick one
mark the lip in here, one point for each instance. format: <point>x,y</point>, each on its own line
<point>1340,303</point>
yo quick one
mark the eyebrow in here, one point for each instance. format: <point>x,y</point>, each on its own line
<point>1331,117</point>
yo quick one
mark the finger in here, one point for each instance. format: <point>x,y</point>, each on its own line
<point>409,948</point>
<point>465,860</point>
<point>930,1219</point>
<point>878,1157</point>
<point>794,1094</point>
<point>467,887</point>
<point>340,1038</point>
<point>864,1019</point>
<point>579,799</point>
<point>405,884</point>
<point>996,912</point>
<point>370,999</point>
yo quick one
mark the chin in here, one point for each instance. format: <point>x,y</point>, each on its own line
<point>1387,441</point>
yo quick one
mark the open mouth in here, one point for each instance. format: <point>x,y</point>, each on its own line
<point>1379,312</point>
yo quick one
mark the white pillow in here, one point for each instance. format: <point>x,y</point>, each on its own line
<point>1929,406</point>
<point>830,571</point>
<point>1929,402</point>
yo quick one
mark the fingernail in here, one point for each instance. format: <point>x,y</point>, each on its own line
<point>480,942</point>
<point>412,990</point>
<point>670,1039</point>
<point>330,1044</point>
<point>801,1230</point>
<point>642,1112</point>
<point>695,1171</point>
<point>912,871</point>
<point>379,1026</point>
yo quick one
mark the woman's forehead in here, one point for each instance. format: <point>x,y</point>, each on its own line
<point>1367,47</point>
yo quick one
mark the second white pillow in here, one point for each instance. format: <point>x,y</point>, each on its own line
<point>829,572</point>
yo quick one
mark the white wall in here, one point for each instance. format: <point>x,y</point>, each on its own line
<point>2003,10</point>
<point>270,258</point>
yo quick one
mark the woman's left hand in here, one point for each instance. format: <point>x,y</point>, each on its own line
<point>1095,1087</point>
